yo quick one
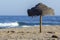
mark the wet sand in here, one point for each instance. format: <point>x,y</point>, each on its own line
<point>31,33</point>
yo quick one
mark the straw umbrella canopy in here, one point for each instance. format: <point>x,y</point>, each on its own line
<point>45,9</point>
<point>40,10</point>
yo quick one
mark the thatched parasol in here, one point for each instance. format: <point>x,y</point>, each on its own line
<point>40,9</point>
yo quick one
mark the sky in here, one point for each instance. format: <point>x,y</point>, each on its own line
<point>19,7</point>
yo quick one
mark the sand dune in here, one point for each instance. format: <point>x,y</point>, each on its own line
<point>31,33</point>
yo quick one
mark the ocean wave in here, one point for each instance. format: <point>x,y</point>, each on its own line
<point>9,24</point>
<point>25,24</point>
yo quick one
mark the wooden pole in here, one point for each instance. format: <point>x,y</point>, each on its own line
<point>40,23</point>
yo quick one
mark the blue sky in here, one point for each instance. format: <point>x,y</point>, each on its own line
<point>19,7</point>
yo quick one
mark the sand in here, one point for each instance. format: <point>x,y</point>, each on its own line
<point>31,33</point>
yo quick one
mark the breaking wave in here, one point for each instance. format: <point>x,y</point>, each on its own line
<point>9,24</point>
<point>16,24</point>
<point>24,24</point>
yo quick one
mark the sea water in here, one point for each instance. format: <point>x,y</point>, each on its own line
<point>26,21</point>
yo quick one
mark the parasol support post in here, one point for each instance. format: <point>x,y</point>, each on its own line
<point>40,23</point>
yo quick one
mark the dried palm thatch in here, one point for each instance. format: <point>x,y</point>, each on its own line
<point>48,11</point>
<point>40,9</point>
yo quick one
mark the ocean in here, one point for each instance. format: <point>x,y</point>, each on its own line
<point>26,21</point>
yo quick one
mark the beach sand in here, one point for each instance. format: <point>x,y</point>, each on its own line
<point>31,33</point>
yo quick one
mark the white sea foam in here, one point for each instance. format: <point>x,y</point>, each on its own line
<point>34,25</point>
<point>26,26</point>
<point>11,24</point>
<point>30,26</point>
